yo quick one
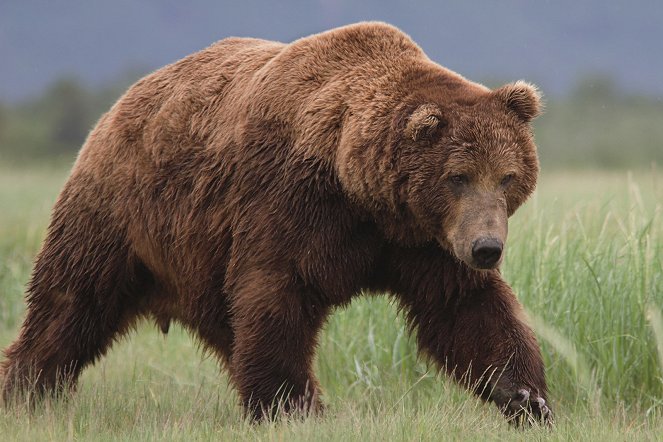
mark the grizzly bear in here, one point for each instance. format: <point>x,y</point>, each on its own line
<point>247,190</point>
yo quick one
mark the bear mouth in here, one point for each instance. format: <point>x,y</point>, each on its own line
<point>476,266</point>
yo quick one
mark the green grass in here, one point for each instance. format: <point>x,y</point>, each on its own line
<point>585,256</point>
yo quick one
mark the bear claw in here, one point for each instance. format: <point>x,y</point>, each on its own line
<point>522,406</point>
<point>526,408</point>
<point>522,396</point>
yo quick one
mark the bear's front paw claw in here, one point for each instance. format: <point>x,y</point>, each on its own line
<point>526,408</point>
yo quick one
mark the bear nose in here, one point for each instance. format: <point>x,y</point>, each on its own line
<point>486,252</point>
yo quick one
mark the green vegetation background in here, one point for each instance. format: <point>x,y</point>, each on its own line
<point>595,125</point>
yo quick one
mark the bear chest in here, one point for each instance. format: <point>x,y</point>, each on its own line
<point>339,262</point>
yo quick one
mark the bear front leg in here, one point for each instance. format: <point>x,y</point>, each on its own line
<point>480,338</point>
<point>275,327</point>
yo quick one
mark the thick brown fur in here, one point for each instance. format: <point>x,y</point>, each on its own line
<point>248,189</point>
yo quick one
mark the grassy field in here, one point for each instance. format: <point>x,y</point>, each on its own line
<point>585,256</point>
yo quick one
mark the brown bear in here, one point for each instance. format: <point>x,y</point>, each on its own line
<point>250,188</point>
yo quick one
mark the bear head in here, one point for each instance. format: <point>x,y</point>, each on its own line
<point>450,170</point>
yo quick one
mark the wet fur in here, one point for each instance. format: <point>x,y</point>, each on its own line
<point>250,188</point>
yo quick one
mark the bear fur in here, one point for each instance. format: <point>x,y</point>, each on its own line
<point>247,190</point>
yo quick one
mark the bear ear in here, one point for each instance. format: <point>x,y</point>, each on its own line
<point>424,123</point>
<point>522,98</point>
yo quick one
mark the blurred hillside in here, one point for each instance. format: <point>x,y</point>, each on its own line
<point>596,125</point>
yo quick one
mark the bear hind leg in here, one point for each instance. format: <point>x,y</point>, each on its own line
<point>56,342</point>
<point>74,314</point>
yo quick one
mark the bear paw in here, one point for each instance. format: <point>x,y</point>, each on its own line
<point>525,407</point>
<point>522,406</point>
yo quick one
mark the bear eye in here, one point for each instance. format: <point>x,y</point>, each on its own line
<point>459,180</point>
<point>507,179</point>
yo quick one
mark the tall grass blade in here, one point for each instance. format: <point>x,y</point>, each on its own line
<point>656,321</point>
<point>571,355</point>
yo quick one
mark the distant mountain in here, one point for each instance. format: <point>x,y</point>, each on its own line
<point>552,43</point>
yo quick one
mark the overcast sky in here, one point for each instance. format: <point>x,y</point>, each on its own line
<point>552,43</point>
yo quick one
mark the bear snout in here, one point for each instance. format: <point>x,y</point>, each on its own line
<point>486,252</point>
